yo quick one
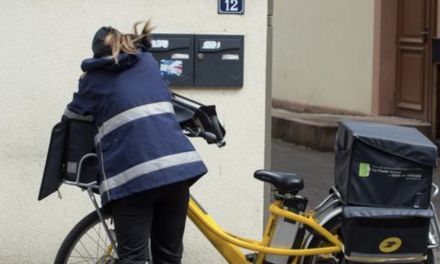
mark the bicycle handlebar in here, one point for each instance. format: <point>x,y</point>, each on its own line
<point>209,137</point>
<point>216,128</point>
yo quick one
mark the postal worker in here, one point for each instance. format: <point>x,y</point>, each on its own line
<point>146,163</point>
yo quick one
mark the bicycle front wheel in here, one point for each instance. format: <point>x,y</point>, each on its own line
<point>334,226</point>
<point>88,242</point>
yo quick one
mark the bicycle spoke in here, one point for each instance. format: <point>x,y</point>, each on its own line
<point>84,258</point>
<point>80,255</point>
<point>92,245</point>
<point>81,261</point>
<point>97,243</point>
<point>99,234</point>
<point>85,249</point>
<point>99,240</point>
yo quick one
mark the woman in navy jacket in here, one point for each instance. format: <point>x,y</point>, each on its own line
<point>145,161</point>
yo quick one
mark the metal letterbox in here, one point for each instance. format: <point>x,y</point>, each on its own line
<point>219,60</point>
<point>175,55</point>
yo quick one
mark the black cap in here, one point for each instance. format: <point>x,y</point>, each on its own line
<point>98,47</point>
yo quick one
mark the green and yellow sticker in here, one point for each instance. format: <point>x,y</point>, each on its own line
<point>390,244</point>
<point>364,169</point>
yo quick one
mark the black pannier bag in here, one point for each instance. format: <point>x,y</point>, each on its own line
<point>53,170</point>
<point>70,140</point>
<point>383,165</point>
<point>80,142</point>
<point>373,234</point>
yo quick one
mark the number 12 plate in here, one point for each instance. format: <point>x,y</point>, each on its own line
<point>231,7</point>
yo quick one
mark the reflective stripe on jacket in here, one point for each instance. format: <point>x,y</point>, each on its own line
<point>140,143</point>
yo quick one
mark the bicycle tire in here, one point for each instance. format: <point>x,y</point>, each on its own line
<point>75,236</point>
<point>334,226</point>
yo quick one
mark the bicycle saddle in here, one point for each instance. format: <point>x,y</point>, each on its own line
<point>283,181</point>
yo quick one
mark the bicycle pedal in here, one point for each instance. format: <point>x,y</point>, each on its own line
<point>251,257</point>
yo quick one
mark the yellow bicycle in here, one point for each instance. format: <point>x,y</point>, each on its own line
<point>292,235</point>
<point>315,237</point>
<point>92,240</point>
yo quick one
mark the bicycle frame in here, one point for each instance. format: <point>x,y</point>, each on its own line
<point>228,244</point>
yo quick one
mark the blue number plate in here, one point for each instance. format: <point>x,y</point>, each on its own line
<point>231,6</point>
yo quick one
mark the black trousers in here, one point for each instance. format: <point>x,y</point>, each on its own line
<point>159,215</point>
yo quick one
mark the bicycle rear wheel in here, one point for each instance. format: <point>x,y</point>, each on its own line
<point>334,226</point>
<point>88,242</point>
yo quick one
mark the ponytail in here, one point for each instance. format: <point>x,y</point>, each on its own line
<point>129,43</point>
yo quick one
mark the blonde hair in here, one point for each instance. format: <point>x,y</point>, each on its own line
<point>128,43</point>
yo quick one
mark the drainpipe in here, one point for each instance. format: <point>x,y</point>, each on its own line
<point>268,194</point>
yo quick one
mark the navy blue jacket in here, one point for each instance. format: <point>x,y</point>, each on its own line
<point>140,144</point>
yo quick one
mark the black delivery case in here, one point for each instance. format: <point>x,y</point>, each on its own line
<point>374,234</point>
<point>383,165</point>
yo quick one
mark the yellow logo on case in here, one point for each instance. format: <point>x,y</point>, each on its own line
<point>390,244</point>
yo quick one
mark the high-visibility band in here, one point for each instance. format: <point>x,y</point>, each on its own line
<point>132,115</point>
<point>73,115</point>
<point>97,139</point>
<point>148,167</point>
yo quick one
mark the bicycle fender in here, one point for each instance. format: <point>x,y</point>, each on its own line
<point>332,214</point>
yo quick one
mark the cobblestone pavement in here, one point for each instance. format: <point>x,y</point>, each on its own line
<point>316,168</point>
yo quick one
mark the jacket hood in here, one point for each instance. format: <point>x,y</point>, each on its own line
<point>125,61</point>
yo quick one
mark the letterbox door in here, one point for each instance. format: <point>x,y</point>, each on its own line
<point>219,60</point>
<point>175,55</point>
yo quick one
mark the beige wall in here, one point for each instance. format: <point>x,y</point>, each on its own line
<point>42,45</point>
<point>323,53</point>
